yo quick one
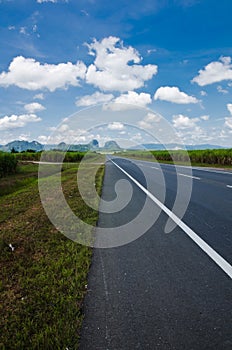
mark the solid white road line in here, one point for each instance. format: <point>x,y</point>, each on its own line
<point>214,171</point>
<point>210,170</point>
<point>220,261</point>
<point>192,177</point>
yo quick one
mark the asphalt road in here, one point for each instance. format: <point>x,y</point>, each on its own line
<point>162,291</point>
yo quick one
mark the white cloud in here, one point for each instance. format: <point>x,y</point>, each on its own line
<point>40,1</point>
<point>221,90</point>
<point>181,121</point>
<point>29,74</point>
<point>24,137</point>
<point>53,1</point>
<point>149,51</point>
<point>113,69</point>
<point>137,99</point>
<point>43,139</point>
<point>194,135</point>
<point>68,134</point>
<point>128,101</point>
<point>116,126</point>
<point>228,122</point>
<point>84,12</point>
<point>97,97</point>
<point>215,72</point>
<point>149,119</point>
<point>39,97</point>
<point>229,107</point>
<point>34,107</point>
<point>173,94</point>
<point>203,93</point>
<point>17,121</point>
<point>23,30</point>
<point>205,117</point>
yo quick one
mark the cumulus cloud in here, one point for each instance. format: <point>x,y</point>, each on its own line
<point>215,72</point>
<point>116,126</point>
<point>181,121</point>
<point>17,121</point>
<point>149,120</point>
<point>229,107</point>
<point>97,97</point>
<point>34,107</point>
<point>29,74</point>
<point>137,99</point>
<point>173,94</point>
<point>116,67</point>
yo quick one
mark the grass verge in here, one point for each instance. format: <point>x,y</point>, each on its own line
<point>43,274</point>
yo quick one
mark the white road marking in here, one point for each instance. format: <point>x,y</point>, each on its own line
<point>214,171</point>
<point>220,261</point>
<point>193,177</point>
<point>153,167</point>
<point>229,186</point>
<point>210,170</point>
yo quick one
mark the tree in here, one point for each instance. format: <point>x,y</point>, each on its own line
<point>13,150</point>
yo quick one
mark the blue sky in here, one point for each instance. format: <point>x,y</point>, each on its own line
<point>172,56</point>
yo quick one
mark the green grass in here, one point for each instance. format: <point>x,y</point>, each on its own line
<point>43,281</point>
<point>26,175</point>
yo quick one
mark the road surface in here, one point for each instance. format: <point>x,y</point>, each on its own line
<point>163,291</point>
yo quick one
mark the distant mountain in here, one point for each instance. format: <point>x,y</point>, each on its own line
<point>174,146</point>
<point>112,146</point>
<point>92,146</point>
<point>20,146</point>
<point>203,146</point>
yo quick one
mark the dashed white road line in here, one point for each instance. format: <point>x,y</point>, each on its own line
<point>218,259</point>
<point>192,177</point>
<point>229,186</point>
